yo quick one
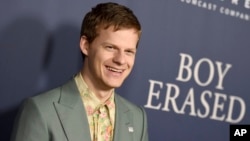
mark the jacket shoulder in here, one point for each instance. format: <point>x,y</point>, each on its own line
<point>54,95</point>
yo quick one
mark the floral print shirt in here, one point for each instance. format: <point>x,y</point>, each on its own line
<point>101,116</point>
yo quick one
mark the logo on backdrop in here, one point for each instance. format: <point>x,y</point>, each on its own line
<point>239,132</point>
<point>212,105</point>
<point>229,10</point>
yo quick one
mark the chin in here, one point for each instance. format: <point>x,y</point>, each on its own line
<point>115,85</point>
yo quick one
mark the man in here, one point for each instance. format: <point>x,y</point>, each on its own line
<point>86,108</point>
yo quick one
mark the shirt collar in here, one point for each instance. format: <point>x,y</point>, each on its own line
<point>89,98</point>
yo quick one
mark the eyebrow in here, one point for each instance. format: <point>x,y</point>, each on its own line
<point>106,43</point>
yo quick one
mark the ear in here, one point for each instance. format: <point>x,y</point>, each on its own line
<point>84,45</point>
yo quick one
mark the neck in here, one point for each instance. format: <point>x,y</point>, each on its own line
<point>101,93</point>
<point>103,96</point>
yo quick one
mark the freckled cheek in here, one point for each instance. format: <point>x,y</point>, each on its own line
<point>131,62</point>
<point>104,58</point>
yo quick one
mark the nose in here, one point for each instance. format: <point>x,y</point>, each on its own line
<point>119,58</point>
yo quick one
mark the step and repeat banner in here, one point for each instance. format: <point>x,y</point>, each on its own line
<point>191,73</point>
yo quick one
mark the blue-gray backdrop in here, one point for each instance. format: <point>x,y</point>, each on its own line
<point>191,73</point>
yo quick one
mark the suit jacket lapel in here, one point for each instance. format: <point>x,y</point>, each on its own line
<point>123,122</point>
<point>72,114</point>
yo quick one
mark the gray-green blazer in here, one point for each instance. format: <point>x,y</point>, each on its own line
<point>59,115</point>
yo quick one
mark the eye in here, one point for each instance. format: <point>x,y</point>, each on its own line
<point>110,48</point>
<point>130,52</point>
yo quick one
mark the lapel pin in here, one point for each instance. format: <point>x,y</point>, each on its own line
<point>130,129</point>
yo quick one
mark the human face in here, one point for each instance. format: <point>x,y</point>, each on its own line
<point>109,59</point>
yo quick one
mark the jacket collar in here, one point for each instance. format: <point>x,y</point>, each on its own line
<point>72,114</point>
<point>74,120</point>
<point>123,121</point>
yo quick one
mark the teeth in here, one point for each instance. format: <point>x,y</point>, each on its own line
<point>113,69</point>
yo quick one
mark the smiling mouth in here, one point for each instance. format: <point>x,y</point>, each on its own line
<point>115,70</point>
